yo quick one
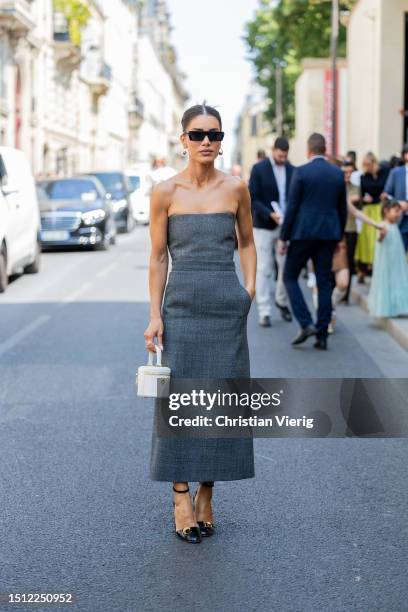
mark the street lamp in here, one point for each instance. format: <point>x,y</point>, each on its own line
<point>279,98</point>
<point>334,52</point>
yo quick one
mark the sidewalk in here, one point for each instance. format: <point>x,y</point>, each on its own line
<point>397,327</point>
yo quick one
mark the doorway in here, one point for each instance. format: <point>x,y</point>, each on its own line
<point>405,110</point>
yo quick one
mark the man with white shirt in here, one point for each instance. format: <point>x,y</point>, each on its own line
<point>269,186</point>
<point>397,187</point>
<point>161,171</point>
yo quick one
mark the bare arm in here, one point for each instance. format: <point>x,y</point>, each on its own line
<point>246,244</point>
<point>358,214</point>
<point>158,263</point>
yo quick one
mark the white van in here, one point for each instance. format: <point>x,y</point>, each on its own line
<point>140,186</point>
<point>20,246</point>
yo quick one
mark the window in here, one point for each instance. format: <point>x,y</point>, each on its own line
<point>254,125</point>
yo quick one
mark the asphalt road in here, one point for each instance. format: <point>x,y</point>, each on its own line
<point>322,527</point>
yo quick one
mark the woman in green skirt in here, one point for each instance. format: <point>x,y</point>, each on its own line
<point>372,186</point>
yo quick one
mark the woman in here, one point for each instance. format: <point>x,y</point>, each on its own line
<point>202,326</point>
<point>343,259</point>
<point>372,185</point>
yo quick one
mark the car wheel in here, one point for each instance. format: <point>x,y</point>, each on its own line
<point>113,233</point>
<point>3,270</point>
<point>34,267</point>
<point>103,245</point>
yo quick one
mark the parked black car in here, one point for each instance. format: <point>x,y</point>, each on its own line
<point>75,212</point>
<point>118,188</point>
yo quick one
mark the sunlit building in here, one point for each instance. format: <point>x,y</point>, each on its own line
<point>313,95</point>
<point>378,77</point>
<point>105,99</point>
<point>160,95</point>
<point>253,131</point>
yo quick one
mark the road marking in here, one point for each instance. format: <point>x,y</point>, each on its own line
<point>106,271</point>
<point>71,297</point>
<point>264,457</point>
<point>23,333</point>
<point>34,285</point>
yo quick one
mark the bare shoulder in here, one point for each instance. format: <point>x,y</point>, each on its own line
<point>165,189</point>
<point>161,197</point>
<point>235,183</point>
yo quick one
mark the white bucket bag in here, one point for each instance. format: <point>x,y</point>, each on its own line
<point>153,380</point>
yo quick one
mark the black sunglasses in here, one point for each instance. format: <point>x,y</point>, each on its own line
<point>199,135</point>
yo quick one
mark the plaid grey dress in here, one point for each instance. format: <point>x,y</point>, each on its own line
<point>204,312</point>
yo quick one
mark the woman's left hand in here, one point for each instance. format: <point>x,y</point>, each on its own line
<point>251,292</point>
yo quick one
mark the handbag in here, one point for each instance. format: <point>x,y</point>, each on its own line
<point>153,380</point>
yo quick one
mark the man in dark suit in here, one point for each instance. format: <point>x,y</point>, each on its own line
<point>397,187</point>
<point>314,222</point>
<point>269,182</point>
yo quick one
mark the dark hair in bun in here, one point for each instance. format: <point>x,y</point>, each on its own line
<point>198,110</point>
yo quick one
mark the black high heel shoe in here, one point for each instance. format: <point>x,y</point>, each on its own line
<point>191,535</point>
<point>207,528</point>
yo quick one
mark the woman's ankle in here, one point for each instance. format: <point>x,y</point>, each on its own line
<point>180,487</point>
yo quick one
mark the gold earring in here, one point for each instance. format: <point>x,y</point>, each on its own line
<point>220,152</point>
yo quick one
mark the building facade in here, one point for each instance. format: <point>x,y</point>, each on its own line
<point>313,95</point>
<point>372,98</point>
<point>160,88</point>
<point>253,131</point>
<point>378,77</point>
<point>105,102</point>
<point>373,85</point>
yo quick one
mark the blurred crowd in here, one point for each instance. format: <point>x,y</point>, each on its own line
<point>375,241</point>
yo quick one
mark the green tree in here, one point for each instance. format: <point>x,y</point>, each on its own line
<point>77,14</point>
<point>284,32</point>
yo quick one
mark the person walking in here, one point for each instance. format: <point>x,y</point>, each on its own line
<point>314,223</point>
<point>269,186</point>
<point>161,171</point>
<point>202,321</point>
<point>343,259</point>
<point>372,184</point>
<point>397,187</point>
<point>351,229</point>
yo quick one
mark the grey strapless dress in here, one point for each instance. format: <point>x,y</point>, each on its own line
<point>204,312</point>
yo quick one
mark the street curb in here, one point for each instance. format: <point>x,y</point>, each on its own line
<point>397,328</point>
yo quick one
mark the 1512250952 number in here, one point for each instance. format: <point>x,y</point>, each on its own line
<point>50,598</point>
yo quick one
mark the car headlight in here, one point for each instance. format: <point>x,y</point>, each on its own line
<point>93,216</point>
<point>119,205</point>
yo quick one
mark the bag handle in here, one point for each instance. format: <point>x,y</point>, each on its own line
<point>158,356</point>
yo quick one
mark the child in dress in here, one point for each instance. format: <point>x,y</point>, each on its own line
<point>388,295</point>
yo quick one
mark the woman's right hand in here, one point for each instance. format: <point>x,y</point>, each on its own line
<point>153,330</point>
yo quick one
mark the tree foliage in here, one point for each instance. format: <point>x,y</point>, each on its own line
<point>77,14</point>
<point>284,32</point>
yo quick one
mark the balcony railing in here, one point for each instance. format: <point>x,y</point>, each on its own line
<point>98,74</point>
<point>66,52</point>
<point>16,15</point>
<point>136,113</point>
